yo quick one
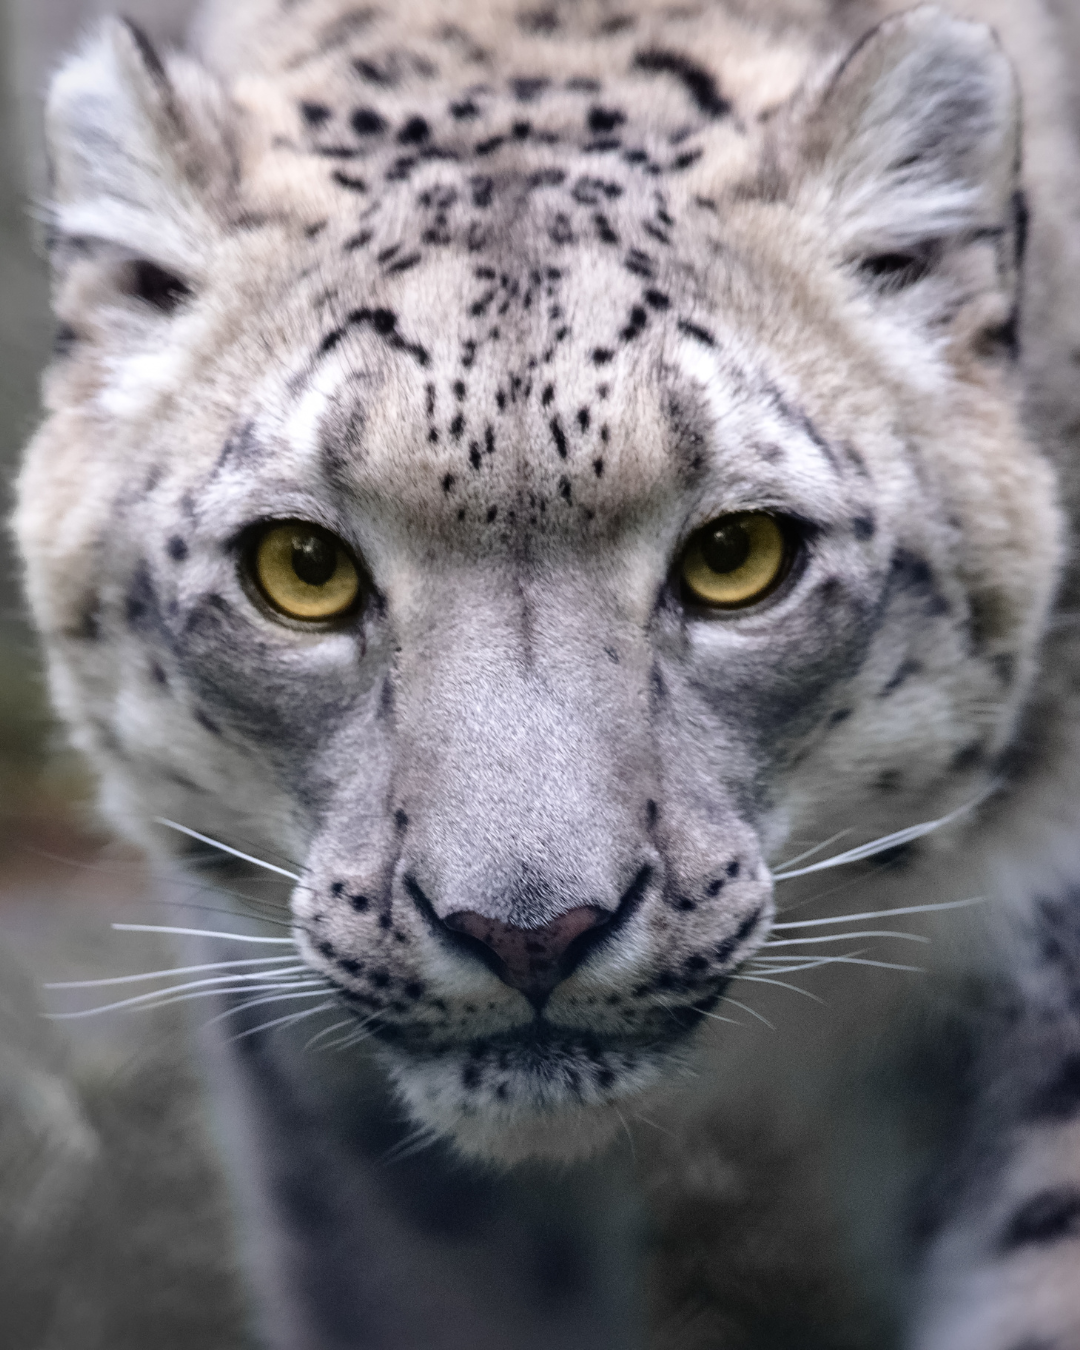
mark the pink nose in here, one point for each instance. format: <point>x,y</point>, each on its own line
<point>533,960</point>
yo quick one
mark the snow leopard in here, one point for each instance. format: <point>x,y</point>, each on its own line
<point>579,498</point>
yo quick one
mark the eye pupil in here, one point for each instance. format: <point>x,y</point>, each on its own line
<point>726,548</point>
<point>314,559</point>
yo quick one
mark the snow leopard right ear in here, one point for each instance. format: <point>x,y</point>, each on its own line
<point>135,150</point>
<point>914,142</point>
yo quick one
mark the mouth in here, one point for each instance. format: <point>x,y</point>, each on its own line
<point>544,1087</point>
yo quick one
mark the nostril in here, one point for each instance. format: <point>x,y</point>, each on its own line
<point>533,960</point>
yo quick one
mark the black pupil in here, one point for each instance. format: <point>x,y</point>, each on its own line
<point>314,559</point>
<point>726,547</point>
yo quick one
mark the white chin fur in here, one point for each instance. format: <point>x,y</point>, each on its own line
<point>537,1118</point>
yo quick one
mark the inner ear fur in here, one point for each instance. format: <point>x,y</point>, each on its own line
<point>914,139</point>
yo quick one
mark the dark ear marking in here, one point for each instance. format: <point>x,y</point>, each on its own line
<point>151,60</point>
<point>155,286</point>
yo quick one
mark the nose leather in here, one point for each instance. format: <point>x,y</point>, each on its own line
<point>533,960</point>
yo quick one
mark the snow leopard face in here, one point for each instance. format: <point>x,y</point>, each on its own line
<point>528,503</point>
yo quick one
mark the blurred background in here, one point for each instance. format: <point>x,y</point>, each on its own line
<point>115,1233</point>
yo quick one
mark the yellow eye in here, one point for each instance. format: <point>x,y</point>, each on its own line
<point>305,572</point>
<point>735,560</point>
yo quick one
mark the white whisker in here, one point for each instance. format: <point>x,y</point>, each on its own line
<point>162,998</point>
<point>809,853</point>
<point>329,1031</point>
<point>646,1121</point>
<point>836,961</point>
<point>235,982</point>
<point>882,913</point>
<point>260,1002</point>
<point>283,1021</point>
<point>887,841</point>
<point>846,937</point>
<point>626,1127</point>
<point>175,970</point>
<point>760,979</point>
<point>418,1139</point>
<point>747,1009</point>
<point>197,932</point>
<point>358,1034</point>
<point>715,1016</point>
<point>225,848</point>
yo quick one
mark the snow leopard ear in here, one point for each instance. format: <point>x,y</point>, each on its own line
<point>134,151</point>
<point>914,143</point>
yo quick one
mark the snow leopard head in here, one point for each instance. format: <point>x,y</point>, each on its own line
<point>528,498</point>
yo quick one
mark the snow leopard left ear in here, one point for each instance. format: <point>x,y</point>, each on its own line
<point>913,145</point>
<point>138,157</point>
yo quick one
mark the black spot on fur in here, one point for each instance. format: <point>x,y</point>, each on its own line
<point>141,602</point>
<point>583,419</point>
<point>367,70</point>
<point>657,299</point>
<point>604,119</point>
<point>367,122</point>
<point>539,21</point>
<point>414,132</point>
<point>559,437</point>
<point>564,488</point>
<point>176,548</point>
<point>863,527</point>
<point>635,325</point>
<point>841,715</point>
<point>695,79</point>
<point>528,90</point>
<point>601,356</point>
<point>561,231</point>
<point>598,467</point>
<point>448,483</point>
<point>699,334</point>
<point>604,231</point>
<point>474,455</point>
<point>405,264</point>
<point>314,114</point>
<point>348,181</point>
<point>1050,1216</point>
<point>639,263</point>
<point>464,110</point>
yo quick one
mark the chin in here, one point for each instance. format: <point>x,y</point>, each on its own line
<point>560,1096</point>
